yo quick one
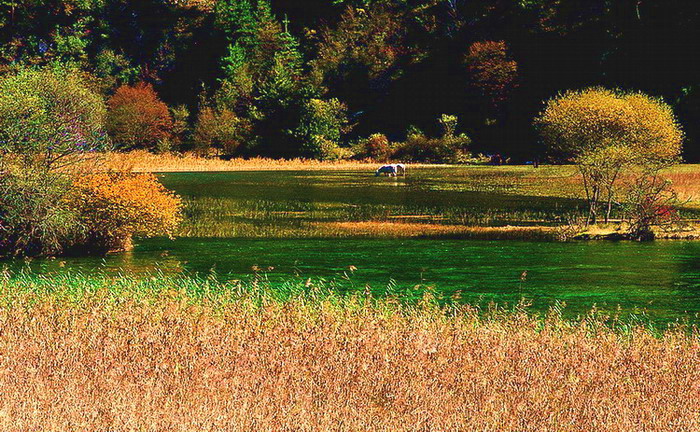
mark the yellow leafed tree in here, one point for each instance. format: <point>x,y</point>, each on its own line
<point>606,131</point>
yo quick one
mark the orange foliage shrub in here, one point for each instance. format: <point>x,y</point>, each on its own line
<point>493,72</point>
<point>114,207</point>
<point>137,117</point>
<point>377,147</point>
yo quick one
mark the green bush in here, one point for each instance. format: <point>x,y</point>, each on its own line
<point>323,124</point>
<point>35,218</point>
<point>181,129</point>
<point>49,119</point>
<point>449,148</point>
<point>50,115</point>
<point>220,129</point>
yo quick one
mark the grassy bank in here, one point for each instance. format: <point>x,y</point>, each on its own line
<point>181,354</point>
<point>555,181</point>
<point>312,199</point>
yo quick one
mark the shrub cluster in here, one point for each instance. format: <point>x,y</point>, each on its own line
<point>114,207</point>
<point>450,147</point>
<point>50,120</point>
<point>376,146</point>
<point>47,214</point>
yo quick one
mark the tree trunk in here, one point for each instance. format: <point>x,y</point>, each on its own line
<point>593,211</point>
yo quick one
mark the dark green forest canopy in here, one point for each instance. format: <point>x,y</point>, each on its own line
<point>393,63</point>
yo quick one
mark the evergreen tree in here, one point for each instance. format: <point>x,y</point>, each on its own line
<point>237,20</point>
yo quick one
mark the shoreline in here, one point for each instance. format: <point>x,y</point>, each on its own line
<point>430,231</point>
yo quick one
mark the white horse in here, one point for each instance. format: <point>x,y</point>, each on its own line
<point>392,170</point>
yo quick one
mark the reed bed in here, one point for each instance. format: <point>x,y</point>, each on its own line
<point>686,182</point>
<point>145,161</point>
<point>160,354</point>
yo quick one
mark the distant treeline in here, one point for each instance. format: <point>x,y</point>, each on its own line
<point>321,78</point>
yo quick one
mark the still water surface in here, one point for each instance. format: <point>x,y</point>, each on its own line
<point>661,278</point>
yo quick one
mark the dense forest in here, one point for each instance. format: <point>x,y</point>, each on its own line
<point>285,78</point>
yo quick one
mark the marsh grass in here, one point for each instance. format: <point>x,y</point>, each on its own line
<point>179,354</point>
<point>407,229</point>
<point>309,199</point>
<point>231,217</point>
<point>465,202</point>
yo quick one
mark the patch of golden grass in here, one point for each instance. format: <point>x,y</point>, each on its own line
<point>144,161</point>
<point>171,364</point>
<point>686,182</point>
<point>408,229</point>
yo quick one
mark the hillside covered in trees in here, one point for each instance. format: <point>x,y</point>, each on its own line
<point>332,78</point>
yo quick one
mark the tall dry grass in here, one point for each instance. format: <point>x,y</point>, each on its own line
<point>686,182</point>
<point>432,230</point>
<point>175,360</point>
<point>144,161</point>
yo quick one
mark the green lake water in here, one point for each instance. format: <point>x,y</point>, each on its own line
<point>662,278</point>
<point>260,220</point>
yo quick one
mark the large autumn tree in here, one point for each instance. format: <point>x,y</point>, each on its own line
<point>138,118</point>
<point>606,131</point>
<point>492,70</point>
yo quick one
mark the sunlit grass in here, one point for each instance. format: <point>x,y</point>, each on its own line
<point>145,161</point>
<point>309,199</point>
<point>198,354</point>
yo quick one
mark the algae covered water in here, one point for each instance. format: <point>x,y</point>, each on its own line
<point>660,278</point>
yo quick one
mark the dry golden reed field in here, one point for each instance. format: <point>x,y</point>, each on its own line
<point>171,361</point>
<point>145,161</point>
